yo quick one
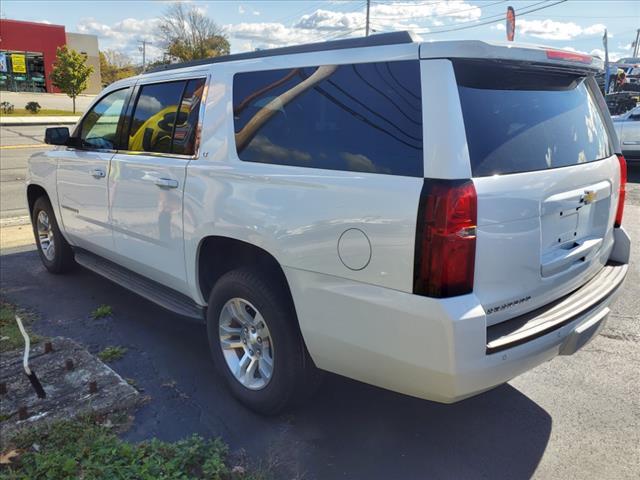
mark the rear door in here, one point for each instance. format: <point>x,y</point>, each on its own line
<point>546,178</point>
<point>147,178</point>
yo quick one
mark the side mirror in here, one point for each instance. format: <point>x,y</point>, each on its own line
<point>56,135</point>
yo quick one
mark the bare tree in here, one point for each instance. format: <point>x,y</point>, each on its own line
<point>117,59</point>
<point>188,34</point>
<point>115,65</point>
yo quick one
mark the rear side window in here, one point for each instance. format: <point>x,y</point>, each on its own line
<point>165,117</point>
<point>184,138</point>
<point>520,121</point>
<point>363,117</point>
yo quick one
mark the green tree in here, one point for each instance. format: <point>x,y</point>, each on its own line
<point>188,34</point>
<point>70,72</point>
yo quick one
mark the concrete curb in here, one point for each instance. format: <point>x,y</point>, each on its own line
<point>12,221</point>
<point>29,121</point>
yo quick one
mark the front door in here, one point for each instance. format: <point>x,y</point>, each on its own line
<point>82,176</point>
<point>147,180</point>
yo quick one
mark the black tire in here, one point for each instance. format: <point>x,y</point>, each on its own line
<point>294,374</point>
<point>61,260</point>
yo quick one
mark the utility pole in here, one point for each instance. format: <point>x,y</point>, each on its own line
<point>635,44</point>
<point>367,26</point>
<point>605,43</point>
<point>143,49</point>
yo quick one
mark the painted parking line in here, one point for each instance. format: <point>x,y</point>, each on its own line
<point>32,145</point>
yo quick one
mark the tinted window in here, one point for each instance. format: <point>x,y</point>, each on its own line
<point>520,121</point>
<point>100,125</point>
<point>365,117</point>
<point>184,138</point>
<point>154,117</point>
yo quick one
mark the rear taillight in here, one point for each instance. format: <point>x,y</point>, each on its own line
<point>623,193</point>
<point>446,238</point>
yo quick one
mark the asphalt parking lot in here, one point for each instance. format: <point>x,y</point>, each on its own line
<point>575,417</point>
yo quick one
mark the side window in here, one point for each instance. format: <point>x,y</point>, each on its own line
<point>184,138</point>
<point>100,125</point>
<point>362,117</point>
<point>154,117</point>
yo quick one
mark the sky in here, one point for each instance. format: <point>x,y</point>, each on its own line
<point>573,24</point>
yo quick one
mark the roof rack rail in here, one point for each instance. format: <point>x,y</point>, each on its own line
<point>392,38</point>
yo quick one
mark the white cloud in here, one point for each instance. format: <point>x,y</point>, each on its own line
<point>328,20</point>
<point>269,35</point>
<point>552,30</point>
<point>241,10</point>
<point>256,13</point>
<point>125,36</point>
<point>428,11</point>
<point>326,24</point>
<point>613,56</point>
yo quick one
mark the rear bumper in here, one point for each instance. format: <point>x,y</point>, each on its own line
<point>439,349</point>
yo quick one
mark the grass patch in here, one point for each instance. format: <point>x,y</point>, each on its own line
<point>111,354</point>
<point>86,448</point>
<point>22,112</point>
<point>101,312</point>
<point>10,336</point>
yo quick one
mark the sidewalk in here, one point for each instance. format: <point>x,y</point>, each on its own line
<point>9,120</point>
<point>56,101</point>
<point>16,237</point>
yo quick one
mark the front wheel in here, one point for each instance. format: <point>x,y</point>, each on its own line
<point>55,253</point>
<point>255,341</point>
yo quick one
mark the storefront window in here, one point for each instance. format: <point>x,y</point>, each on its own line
<point>22,71</point>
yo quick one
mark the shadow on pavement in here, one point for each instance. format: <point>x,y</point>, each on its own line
<point>348,430</point>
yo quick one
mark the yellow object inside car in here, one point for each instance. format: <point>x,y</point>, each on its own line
<point>154,135</point>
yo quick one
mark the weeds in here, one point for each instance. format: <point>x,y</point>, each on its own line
<point>102,311</point>
<point>112,353</point>
<point>84,449</point>
<point>10,336</point>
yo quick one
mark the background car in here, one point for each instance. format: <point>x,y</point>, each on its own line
<point>627,127</point>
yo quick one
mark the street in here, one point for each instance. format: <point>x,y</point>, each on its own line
<point>14,153</point>
<point>574,417</point>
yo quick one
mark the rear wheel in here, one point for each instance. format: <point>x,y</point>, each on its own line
<point>55,253</point>
<point>255,342</point>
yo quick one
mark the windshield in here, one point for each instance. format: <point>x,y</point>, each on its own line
<point>520,121</point>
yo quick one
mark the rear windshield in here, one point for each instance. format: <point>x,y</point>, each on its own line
<point>524,120</point>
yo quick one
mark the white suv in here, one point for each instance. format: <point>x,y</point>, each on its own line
<point>431,218</point>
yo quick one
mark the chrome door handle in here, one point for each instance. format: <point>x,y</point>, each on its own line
<point>98,173</point>
<point>166,182</point>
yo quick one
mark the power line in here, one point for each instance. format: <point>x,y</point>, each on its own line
<point>499,16</point>
<point>495,18</point>
<point>448,14</point>
<point>520,14</point>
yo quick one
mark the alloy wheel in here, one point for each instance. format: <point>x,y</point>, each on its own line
<point>246,343</point>
<point>45,235</point>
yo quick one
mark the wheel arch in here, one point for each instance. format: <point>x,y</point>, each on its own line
<point>217,255</point>
<point>35,191</point>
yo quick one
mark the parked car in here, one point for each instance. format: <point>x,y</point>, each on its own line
<point>432,218</point>
<point>621,102</point>
<point>628,129</point>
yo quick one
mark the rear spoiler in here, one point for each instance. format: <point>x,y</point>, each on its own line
<point>535,55</point>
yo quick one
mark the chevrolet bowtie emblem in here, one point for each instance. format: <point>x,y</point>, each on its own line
<point>589,197</point>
